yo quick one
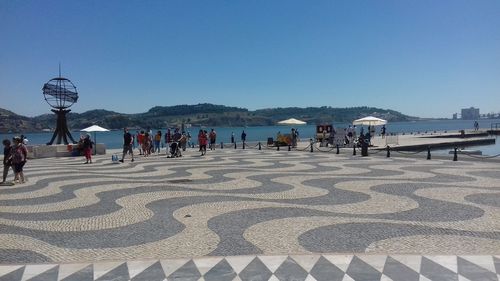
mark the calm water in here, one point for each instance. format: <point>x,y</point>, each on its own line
<point>114,139</point>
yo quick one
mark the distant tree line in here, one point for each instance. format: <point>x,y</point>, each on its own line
<point>200,114</point>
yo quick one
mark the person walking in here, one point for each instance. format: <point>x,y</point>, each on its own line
<point>140,141</point>
<point>168,139</point>
<point>232,137</point>
<point>202,142</point>
<point>183,141</point>
<point>87,149</point>
<point>383,131</point>
<point>157,141</point>
<point>146,144</point>
<point>19,157</point>
<point>212,136</point>
<point>135,140</point>
<point>127,145</point>
<point>243,137</point>
<point>7,159</point>
<point>188,137</point>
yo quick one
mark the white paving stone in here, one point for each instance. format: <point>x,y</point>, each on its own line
<point>36,269</point>
<point>238,263</point>
<point>341,261</point>
<point>66,270</point>
<point>136,267</point>
<point>102,268</point>
<point>273,262</point>
<point>483,261</point>
<point>6,269</point>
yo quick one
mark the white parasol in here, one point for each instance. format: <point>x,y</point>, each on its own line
<point>369,121</point>
<point>95,128</point>
<point>292,121</point>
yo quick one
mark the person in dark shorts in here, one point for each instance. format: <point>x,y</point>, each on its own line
<point>127,145</point>
<point>212,136</point>
<point>202,140</point>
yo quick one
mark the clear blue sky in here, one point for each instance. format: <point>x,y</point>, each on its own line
<point>424,58</point>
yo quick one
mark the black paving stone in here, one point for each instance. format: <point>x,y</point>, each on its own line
<point>488,199</point>
<point>15,275</point>
<point>231,226</point>
<point>290,270</point>
<point>153,273</point>
<point>86,274</point>
<point>21,256</point>
<point>361,271</point>
<point>356,237</point>
<point>255,271</point>
<point>220,272</point>
<point>119,273</point>
<point>399,272</point>
<point>187,272</point>
<point>428,209</point>
<point>434,271</point>
<point>473,272</point>
<point>497,264</point>
<point>50,274</point>
<point>324,270</point>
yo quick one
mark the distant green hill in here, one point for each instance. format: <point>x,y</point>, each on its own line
<point>200,114</point>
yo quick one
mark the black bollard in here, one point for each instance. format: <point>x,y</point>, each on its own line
<point>338,150</point>
<point>429,152</point>
<point>311,143</point>
<point>260,146</point>
<point>289,148</point>
<point>234,145</point>
<point>455,157</point>
<point>243,145</point>
<point>278,148</point>
<point>354,150</point>
<point>388,151</point>
<point>221,145</point>
<point>364,149</point>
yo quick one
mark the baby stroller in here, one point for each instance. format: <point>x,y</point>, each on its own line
<point>175,150</point>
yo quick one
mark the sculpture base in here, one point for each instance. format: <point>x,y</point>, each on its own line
<point>60,150</point>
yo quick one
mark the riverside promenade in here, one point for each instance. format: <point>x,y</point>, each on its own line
<point>252,215</point>
<point>434,140</point>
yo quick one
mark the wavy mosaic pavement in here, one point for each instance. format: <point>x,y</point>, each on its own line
<point>249,202</point>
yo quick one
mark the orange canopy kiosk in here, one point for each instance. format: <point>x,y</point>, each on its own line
<point>323,131</point>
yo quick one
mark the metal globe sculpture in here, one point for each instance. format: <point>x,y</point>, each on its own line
<point>60,94</point>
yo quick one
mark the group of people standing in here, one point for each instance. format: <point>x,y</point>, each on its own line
<point>350,135</point>
<point>149,143</point>
<point>204,137</point>
<point>15,155</point>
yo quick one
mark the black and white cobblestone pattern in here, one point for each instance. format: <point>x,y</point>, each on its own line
<point>273,268</point>
<point>248,202</point>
